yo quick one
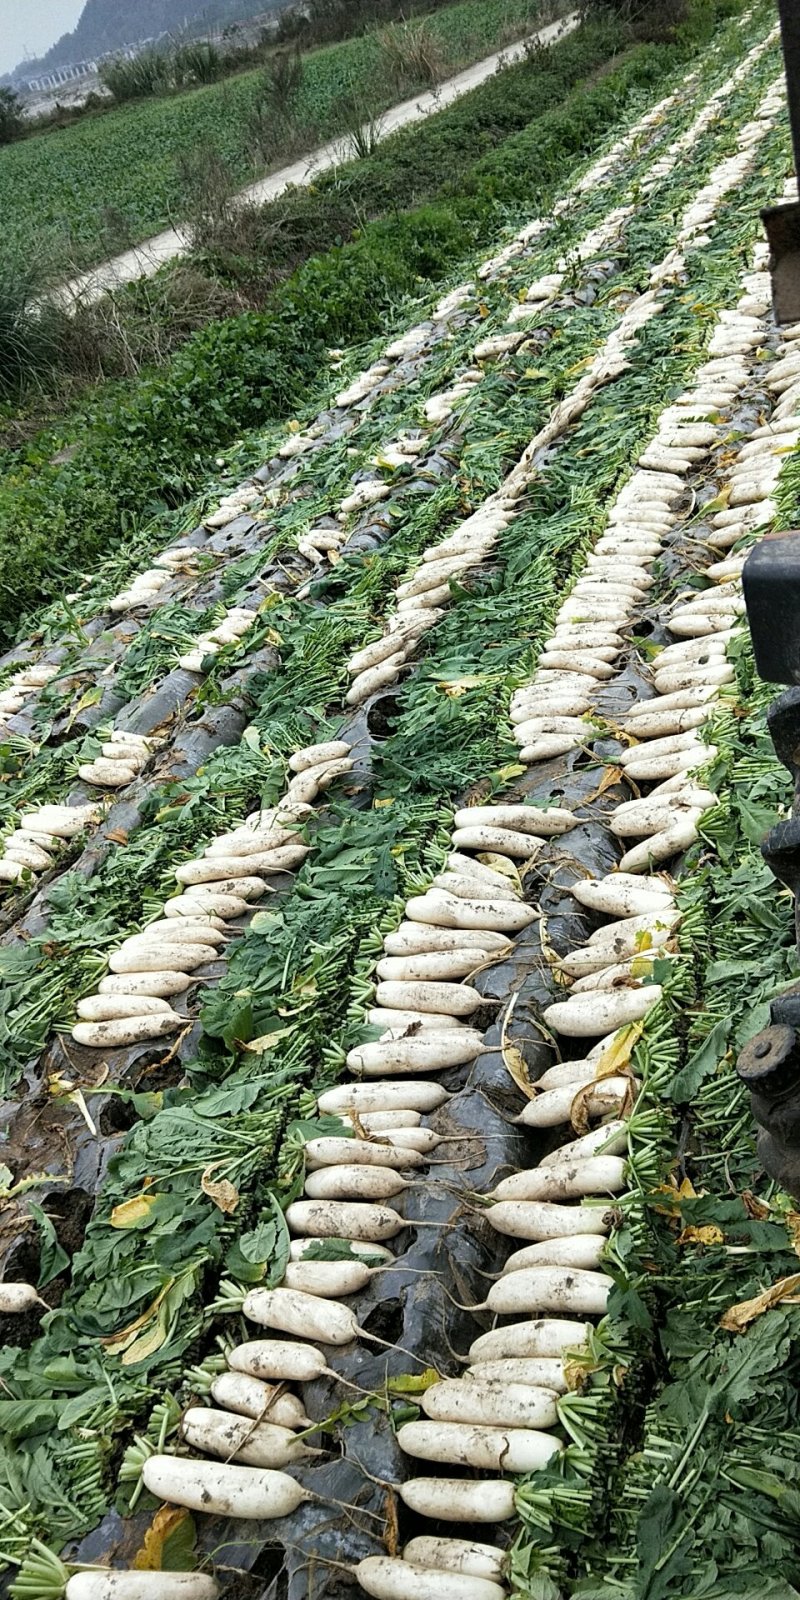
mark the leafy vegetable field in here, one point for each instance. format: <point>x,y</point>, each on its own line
<point>118,174</point>
<point>383,913</point>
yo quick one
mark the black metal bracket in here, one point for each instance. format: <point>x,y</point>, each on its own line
<point>782,222</point>
<point>769,1064</point>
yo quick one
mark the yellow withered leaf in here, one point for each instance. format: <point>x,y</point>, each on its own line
<point>784,1292</point>
<point>116,1342</point>
<point>501,864</point>
<point>708,1234</point>
<point>616,1057</point>
<point>513,1059</point>
<point>792,1220</point>
<point>134,1213</point>
<point>455,687</point>
<point>224,1194</point>
<point>170,1525</point>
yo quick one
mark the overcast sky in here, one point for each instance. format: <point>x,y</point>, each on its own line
<point>29,27</point>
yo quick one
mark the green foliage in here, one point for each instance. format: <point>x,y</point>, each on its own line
<point>148,448</point>
<point>11,123</point>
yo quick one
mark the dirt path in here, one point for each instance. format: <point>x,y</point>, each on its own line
<point>146,258</point>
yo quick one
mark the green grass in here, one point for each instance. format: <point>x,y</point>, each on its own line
<point>79,192</point>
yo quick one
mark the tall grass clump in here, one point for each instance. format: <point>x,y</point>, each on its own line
<point>32,329</point>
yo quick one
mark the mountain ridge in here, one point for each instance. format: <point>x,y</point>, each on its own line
<point>107,25</point>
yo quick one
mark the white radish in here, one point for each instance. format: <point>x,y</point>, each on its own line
<point>315,755</point>
<point>601,1097</point>
<point>446,911</point>
<point>333,1151</point>
<point>661,846</point>
<point>610,1139</point>
<point>327,1279</point>
<point>110,1008</point>
<point>459,1499</point>
<point>542,1338</point>
<point>409,1142</point>
<point>146,956</point>
<point>509,1450</point>
<point>446,999</point>
<point>505,841</point>
<point>125,1031</point>
<point>433,1051</point>
<point>456,1555</point>
<point>519,819</point>
<point>569,1180</point>
<point>161,985</point>
<point>18,1297</point>
<point>414,938</point>
<point>586,1016</point>
<point>470,886</point>
<point>583,1250</point>
<point>564,1072</point>
<point>211,894</point>
<point>617,896</point>
<point>360,1097</point>
<point>249,1397</point>
<point>304,1315</point>
<point>382,1122</point>
<point>114,1583</point>
<point>354,1183</point>
<point>536,1219</point>
<point>278,1361</point>
<point>396,1024</point>
<point>437,966</point>
<point>538,1372</point>
<point>182,930</point>
<point>551,1288</point>
<point>252,1493</point>
<point>218,907</point>
<point>390,1578</point>
<point>332,1219</point>
<point>492,1404</point>
<point>300,1248</point>
<point>260,1444</point>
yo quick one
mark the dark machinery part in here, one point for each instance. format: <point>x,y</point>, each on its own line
<point>769,1064</point>
<point>782,223</point>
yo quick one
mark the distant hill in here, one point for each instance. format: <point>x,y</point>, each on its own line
<point>107,25</point>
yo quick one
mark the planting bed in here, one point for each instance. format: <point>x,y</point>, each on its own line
<point>382,912</point>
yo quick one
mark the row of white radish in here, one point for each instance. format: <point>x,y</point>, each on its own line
<point>497,1417</point>
<point>124,754</point>
<point>217,887</point>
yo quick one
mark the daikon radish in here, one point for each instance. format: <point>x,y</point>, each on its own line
<point>545,1338</point>
<point>327,1279</point>
<point>620,897</point>
<point>610,1139</point>
<point>300,1248</point>
<point>564,1072</point>
<point>110,1008</point>
<point>564,1181</point>
<point>456,1555</point>
<point>504,1450</point>
<point>601,1097</point>
<point>412,1141</point>
<point>333,1151</point>
<point>445,911</point>
<point>469,886</point>
<point>260,1444</point>
<point>640,818</point>
<point>278,1360</point>
<point>360,1097</point>
<point>517,818</point>
<point>505,841</point>
<point>249,1397</point>
<point>18,1297</point>
<point>438,966</point>
<point>126,1031</point>
<point>134,956</point>
<point>354,1183</point>
<point>368,683</point>
<point>316,754</point>
<point>538,1372</point>
<point>583,1250</point>
<point>448,999</point>
<point>415,938</point>
<point>115,1583</point>
<point>214,869</point>
<point>218,907</point>
<point>661,846</point>
<point>432,1051</point>
<point>223,1490</point>
<point>341,1219</point>
<point>383,1122</point>
<point>585,1016</point>
<point>211,893</point>
<point>536,1219</point>
<point>495,1405</point>
<point>459,1499</point>
<point>551,1289</point>
<point>180,930</point>
<point>389,1578</point>
<point>396,1024</point>
<point>161,985</point>
<point>304,1315</point>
